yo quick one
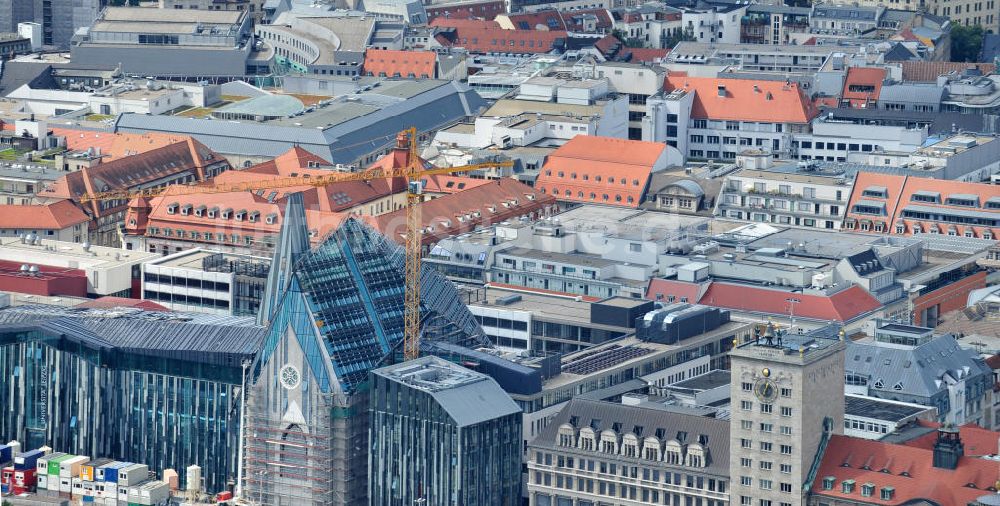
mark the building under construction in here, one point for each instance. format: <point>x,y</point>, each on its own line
<point>334,313</point>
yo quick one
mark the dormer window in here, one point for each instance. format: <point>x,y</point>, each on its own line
<point>240,214</point>
<point>227,213</point>
<point>828,482</point>
<point>172,208</point>
<point>254,216</point>
<point>186,210</point>
<point>213,212</point>
<point>271,218</point>
<point>199,211</point>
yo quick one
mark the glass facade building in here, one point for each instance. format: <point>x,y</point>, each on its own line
<point>151,387</point>
<point>335,312</point>
<point>442,435</point>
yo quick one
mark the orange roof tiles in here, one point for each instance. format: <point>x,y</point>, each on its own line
<point>215,218</point>
<point>863,86</point>
<point>908,471</point>
<point>115,145</point>
<point>389,63</point>
<point>444,183</point>
<point>54,216</point>
<point>900,191</point>
<point>171,161</point>
<point>745,99</point>
<point>475,24</point>
<point>601,170</point>
<point>843,306</point>
<point>646,55</point>
<point>500,200</point>
<point>978,442</point>
<point>488,37</point>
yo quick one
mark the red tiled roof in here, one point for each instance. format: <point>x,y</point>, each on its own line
<point>745,99</point>
<point>846,459</point>
<point>927,71</point>
<point>475,24</point>
<point>173,160</point>
<point>501,200</point>
<point>609,45</point>
<point>445,183</point>
<point>466,9</point>
<point>53,216</point>
<point>115,145</point>
<point>978,442</point>
<point>297,162</point>
<point>994,361</point>
<point>600,170</point>
<point>843,306</point>
<point>647,55</point>
<point>488,37</point>
<point>662,289</point>
<point>389,63</point>
<point>900,191</point>
<point>109,302</point>
<point>551,19</point>
<point>863,77</point>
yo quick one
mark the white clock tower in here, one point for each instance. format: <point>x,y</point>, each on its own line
<point>787,396</point>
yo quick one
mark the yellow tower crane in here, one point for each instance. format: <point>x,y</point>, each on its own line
<point>413,170</point>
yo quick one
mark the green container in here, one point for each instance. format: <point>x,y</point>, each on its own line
<point>54,464</point>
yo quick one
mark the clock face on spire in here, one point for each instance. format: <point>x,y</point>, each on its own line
<point>765,390</point>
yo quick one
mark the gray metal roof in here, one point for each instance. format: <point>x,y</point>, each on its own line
<point>467,396</point>
<point>912,93</point>
<point>384,114</point>
<point>198,338</point>
<point>913,370</point>
<point>601,415</point>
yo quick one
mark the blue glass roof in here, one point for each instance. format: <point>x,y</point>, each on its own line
<point>347,296</point>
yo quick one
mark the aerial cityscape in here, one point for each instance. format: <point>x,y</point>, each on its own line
<point>500,252</point>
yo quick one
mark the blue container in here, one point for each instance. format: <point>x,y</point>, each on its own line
<point>6,454</point>
<point>88,498</point>
<point>27,460</point>
<point>111,472</point>
<point>4,489</point>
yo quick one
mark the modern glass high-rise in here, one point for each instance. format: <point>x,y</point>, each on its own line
<point>150,387</point>
<point>442,435</point>
<point>335,312</point>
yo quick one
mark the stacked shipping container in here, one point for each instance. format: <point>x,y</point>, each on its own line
<point>99,482</point>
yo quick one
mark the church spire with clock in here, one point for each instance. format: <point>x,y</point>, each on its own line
<point>787,397</point>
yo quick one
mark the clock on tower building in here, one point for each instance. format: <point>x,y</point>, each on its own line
<point>787,400</point>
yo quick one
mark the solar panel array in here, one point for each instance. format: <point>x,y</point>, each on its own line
<point>603,359</point>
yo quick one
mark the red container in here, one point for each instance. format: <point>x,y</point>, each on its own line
<point>15,490</point>
<point>224,496</point>
<point>25,478</point>
<point>6,475</point>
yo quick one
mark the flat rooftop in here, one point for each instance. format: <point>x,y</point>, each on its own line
<point>544,307</point>
<point>584,259</point>
<point>69,254</point>
<point>878,409</point>
<point>624,352</point>
<point>431,375</point>
<point>953,145</point>
<point>626,302</point>
<point>712,379</point>
<point>628,223</point>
